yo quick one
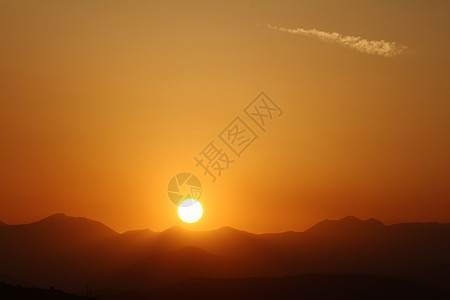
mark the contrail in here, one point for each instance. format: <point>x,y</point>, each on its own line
<point>383,48</point>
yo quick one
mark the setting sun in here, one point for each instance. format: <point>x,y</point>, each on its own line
<point>190,211</point>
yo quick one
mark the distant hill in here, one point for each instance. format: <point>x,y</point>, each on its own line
<point>68,252</point>
<point>43,252</point>
<point>346,226</point>
<point>177,265</point>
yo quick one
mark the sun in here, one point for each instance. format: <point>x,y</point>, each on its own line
<point>190,211</point>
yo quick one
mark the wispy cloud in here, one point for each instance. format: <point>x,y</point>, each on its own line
<point>382,48</point>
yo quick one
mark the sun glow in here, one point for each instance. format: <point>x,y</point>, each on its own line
<point>190,211</point>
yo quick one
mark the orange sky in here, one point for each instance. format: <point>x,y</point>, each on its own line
<point>102,102</point>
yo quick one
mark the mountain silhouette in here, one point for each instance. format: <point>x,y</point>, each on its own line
<point>177,265</point>
<point>68,252</point>
<point>346,226</point>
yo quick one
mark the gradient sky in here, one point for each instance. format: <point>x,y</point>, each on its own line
<point>102,102</point>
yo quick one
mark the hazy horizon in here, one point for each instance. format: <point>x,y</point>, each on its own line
<point>352,218</point>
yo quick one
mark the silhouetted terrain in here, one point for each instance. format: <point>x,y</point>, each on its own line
<point>339,286</point>
<point>9,292</point>
<point>68,253</point>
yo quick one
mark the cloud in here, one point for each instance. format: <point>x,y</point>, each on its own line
<point>382,48</point>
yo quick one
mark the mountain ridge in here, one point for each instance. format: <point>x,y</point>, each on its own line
<point>74,251</point>
<point>347,221</point>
